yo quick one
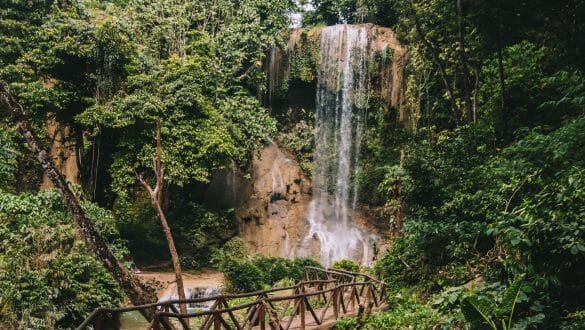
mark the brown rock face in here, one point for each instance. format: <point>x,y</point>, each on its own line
<point>272,219</point>
<point>63,152</point>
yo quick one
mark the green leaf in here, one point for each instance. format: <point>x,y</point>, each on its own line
<point>510,298</point>
<point>478,311</point>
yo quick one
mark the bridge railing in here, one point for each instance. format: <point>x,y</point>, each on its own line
<point>304,304</point>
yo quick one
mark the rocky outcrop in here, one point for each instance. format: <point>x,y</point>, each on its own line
<point>63,151</point>
<point>272,219</point>
<point>301,56</point>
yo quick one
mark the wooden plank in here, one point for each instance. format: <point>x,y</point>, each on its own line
<point>184,322</point>
<point>216,323</point>
<point>335,299</point>
<point>223,321</point>
<point>324,312</point>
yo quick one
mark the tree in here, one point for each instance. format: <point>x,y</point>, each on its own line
<point>156,195</point>
<point>435,54</point>
<point>138,293</point>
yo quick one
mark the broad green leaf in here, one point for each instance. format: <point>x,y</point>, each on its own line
<point>478,311</point>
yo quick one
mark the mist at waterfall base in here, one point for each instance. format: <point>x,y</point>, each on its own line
<point>134,320</point>
<point>342,94</point>
<point>192,293</point>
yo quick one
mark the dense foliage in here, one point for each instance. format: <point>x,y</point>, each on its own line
<point>245,273</point>
<point>489,174</point>
<point>482,183</point>
<point>47,278</point>
<point>106,71</point>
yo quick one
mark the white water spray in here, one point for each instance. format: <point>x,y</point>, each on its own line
<point>192,293</point>
<point>339,122</point>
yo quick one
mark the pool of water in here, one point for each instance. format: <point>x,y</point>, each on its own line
<point>134,320</point>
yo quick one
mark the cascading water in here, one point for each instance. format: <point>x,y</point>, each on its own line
<point>340,114</point>
<point>192,293</point>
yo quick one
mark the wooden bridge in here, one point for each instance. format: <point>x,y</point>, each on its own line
<point>324,296</point>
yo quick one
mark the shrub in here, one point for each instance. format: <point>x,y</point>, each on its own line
<point>241,275</point>
<point>274,268</point>
<point>346,264</point>
<point>349,323</point>
<point>299,264</point>
<point>574,321</point>
<point>406,314</point>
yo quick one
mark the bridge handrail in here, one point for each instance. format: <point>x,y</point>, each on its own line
<point>262,297</point>
<point>255,302</point>
<point>368,276</point>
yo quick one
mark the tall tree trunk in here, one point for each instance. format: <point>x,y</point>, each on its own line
<point>464,64</point>
<point>156,197</point>
<point>502,78</point>
<point>476,90</point>
<point>437,59</point>
<point>136,291</point>
<point>502,116</point>
<point>398,196</point>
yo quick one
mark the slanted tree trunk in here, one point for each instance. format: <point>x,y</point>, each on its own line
<point>476,91</point>
<point>502,78</point>
<point>136,291</point>
<point>156,195</point>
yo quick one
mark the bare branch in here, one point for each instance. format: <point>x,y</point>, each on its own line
<point>145,183</point>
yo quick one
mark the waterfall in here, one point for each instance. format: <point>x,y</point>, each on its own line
<point>192,293</point>
<point>339,122</point>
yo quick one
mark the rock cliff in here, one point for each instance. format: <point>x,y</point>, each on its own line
<point>272,217</point>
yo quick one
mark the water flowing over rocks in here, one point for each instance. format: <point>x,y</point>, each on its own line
<point>286,213</point>
<point>342,96</point>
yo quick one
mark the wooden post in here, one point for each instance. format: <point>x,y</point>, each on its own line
<point>97,323</point>
<point>336,303</point>
<point>216,323</point>
<point>302,311</point>
<point>302,307</point>
<point>262,317</point>
<point>360,315</point>
<point>155,322</point>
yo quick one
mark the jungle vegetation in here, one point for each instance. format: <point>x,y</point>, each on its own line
<point>489,172</point>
